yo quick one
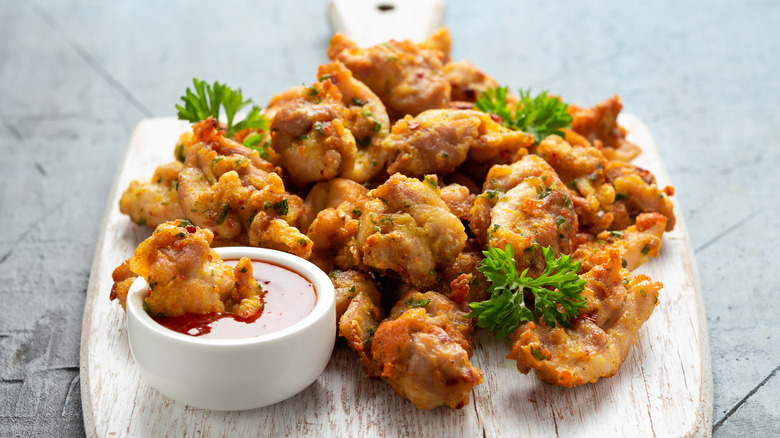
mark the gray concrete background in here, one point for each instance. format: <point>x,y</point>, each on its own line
<point>75,76</point>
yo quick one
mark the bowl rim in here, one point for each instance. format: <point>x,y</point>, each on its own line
<point>323,287</point>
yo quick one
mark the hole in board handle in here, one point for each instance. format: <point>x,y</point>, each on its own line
<point>385,7</point>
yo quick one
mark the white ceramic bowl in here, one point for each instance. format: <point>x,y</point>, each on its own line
<point>236,374</point>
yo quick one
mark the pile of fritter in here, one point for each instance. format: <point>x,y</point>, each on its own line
<point>386,174</point>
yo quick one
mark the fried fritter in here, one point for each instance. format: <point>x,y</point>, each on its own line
<point>599,125</point>
<point>123,278</point>
<point>527,205</point>
<point>365,117</point>
<point>155,201</point>
<point>437,141</point>
<point>467,81</point>
<point>599,340</point>
<point>636,192</point>
<point>581,168</point>
<point>359,312</point>
<point>339,193</point>
<point>440,40</point>
<point>186,276</point>
<point>463,273</point>
<point>458,199</point>
<point>333,128</point>
<point>310,134</point>
<point>230,190</point>
<point>407,229</point>
<point>407,77</point>
<point>635,245</point>
<point>331,219</point>
<point>422,350</point>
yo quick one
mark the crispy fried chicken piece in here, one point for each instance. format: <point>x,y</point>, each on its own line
<point>463,273</point>
<point>581,168</point>
<point>599,340</point>
<point>281,99</point>
<point>467,81</point>
<point>230,190</point>
<point>458,199</point>
<point>437,141</point>
<point>365,117</point>
<point>440,40</point>
<point>635,245</point>
<point>406,76</point>
<point>407,229</point>
<point>636,192</point>
<point>333,128</point>
<point>331,219</point>
<point>310,134</point>
<point>339,193</point>
<point>359,312</point>
<point>155,201</point>
<point>527,205</point>
<point>599,125</point>
<point>422,350</point>
<point>123,278</point>
<point>186,276</point>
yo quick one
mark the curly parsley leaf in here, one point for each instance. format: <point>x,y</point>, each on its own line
<point>208,99</point>
<point>540,115</point>
<point>557,292</point>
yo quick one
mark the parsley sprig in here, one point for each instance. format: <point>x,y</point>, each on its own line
<point>207,99</point>
<point>557,292</point>
<point>541,115</point>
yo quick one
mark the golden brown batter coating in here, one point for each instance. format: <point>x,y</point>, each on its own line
<point>599,125</point>
<point>407,77</point>
<point>467,81</point>
<point>407,229</point>
<point>123,278</point>
<point>440,40</point>
<point>437,141</point>
<point>331,219</point>
<point>230,190</point>
<point>581,168</point>
<point>310,134</point>
<point>527,205</point>
<point>339,193</point>
<point>636,192</point>
<point>155,201</point>
<point>359,313</point>
<point>422,350</point>
<point>635,245</point>
<point>463,273</point>
<point>599,340</point>
<point>186,276</point>
<point>365,117</point>
<point>458,199</point>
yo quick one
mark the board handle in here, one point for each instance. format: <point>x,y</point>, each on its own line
<point>370,22</point>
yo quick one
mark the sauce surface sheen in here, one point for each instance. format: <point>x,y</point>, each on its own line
<point>288,299</point>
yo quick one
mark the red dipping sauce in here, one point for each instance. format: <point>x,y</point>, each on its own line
<point>288,299</point>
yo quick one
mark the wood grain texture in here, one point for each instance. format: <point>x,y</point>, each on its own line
<point>664,388</point>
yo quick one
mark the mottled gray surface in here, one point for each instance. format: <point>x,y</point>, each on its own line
<point>75,76</point>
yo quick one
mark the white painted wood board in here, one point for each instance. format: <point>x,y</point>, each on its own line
<point>664,388</point>
<point>369,22</point>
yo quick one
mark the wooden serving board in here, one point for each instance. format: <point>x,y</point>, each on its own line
<point>664,388</point>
